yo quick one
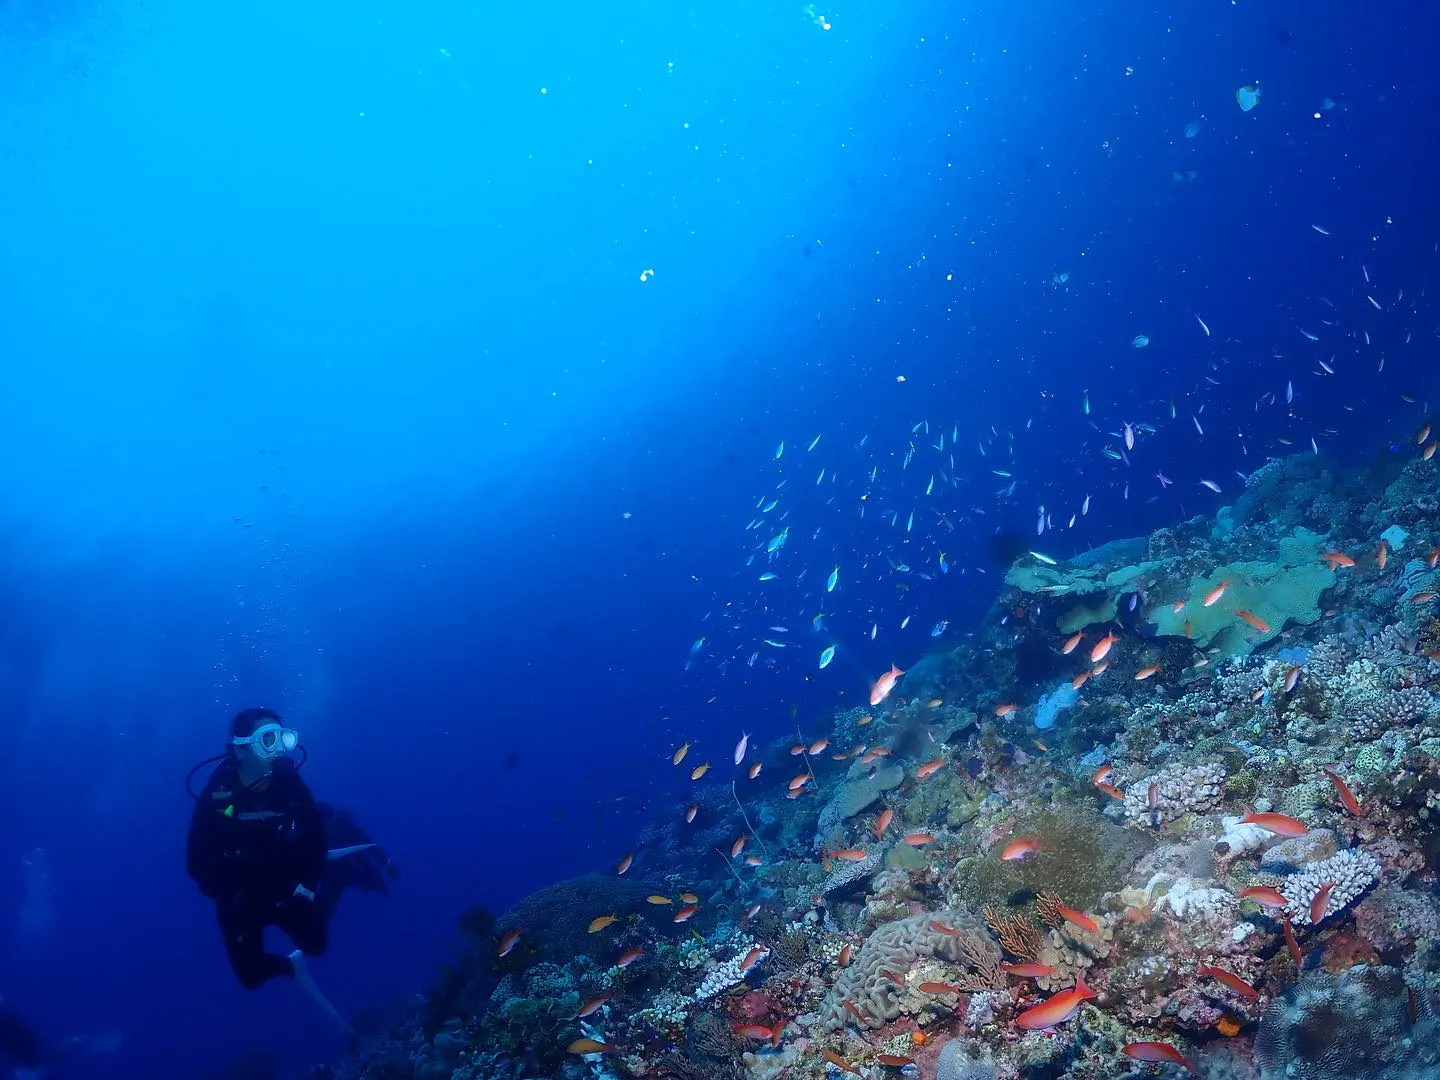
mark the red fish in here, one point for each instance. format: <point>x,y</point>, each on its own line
<point>758,1031</point>
<point>1085,922</point>
<point>1155,1051</point>
<point>629,956</point>
<point>1145,672</point>
<point>592,1006</point>
<point>938,988</point>
<point>1070,642</point>
<point>1057,1009</point>
<point>884,684</point>
<point>1111,790</point>
<point>508,942</point>
<point>1005,710</point>
<point>1021,848</point>
<point>683,915</point>
<point>894,1061</point>
<point>883,822</point>
<point>1320,905</point>
<point>1290,942</point>
<point>1228,979</point>
<point>843,960</point>
<point>1292,677</point>
<point>1279,824</point>
<point>1266,896</point>
<point>1213,596</point>
<point>839,1062</point>
<point>919,839</point>
<point>1101,648</point>
<point>930,768</point>
<point>1264,628</point>
<point>1347,797</point>
<point>941,928</point>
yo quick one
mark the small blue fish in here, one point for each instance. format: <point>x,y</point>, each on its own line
<point>832,579</point>
<point>944,566</point>
<point>826,656</point>
<point>777,541</point>
<point>818,623</point>
<point>779,450</point>
<point>768,576</point>
<point>939,628</point>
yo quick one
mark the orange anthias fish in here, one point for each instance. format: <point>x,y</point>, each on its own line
<point>1072,641</point>
<point>930,768</point>
<point>1259,624</point>
<point>938,988</point>
<point>1145,672</point>
<point>1279,824</point>
<point>753,957</point>
<point>1382,554</point>
<point>1320,906</point>
<point>1020,848</point>
<point>683,915</point>
<point>1338,559</point>
<point>586,1046</point>
<point>798,782</point>
<point>839,1062</point>
<point>818,745</point>
<point>1292,676</point>
<point>1085,922</point>
<point>1213,596</point>
<point>1156,1051</point>
<point>598,924</point>
<point>1228,979</point>
<point>1111,790</point>
<point>883,822</point>
<point>1005,710</point>
<point>658,899</point>
<point>941,928</point>
<point>754,770</point>
<point>592,1006</point>
<point>884,684</point>
<point>624,863</point>
<point>1057,1009</point>
<point>1347,797</point>
<point>690,813</point>
<point>1101,648</point>
<point>894,1061</point>
<point>919,839</point>
<point>757,1031</point>
<point>1290,943</point>
<point>851,854</point>
<point>629,956</point>
<point>1079,680</point>
<point>1267,896</point>
<point>508,942</point>
<point>738,846</point>
<point>1102,774</point>
<point>689,898</point>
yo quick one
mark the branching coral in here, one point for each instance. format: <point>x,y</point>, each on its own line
<point>1348,873</point>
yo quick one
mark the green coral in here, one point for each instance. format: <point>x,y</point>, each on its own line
<point>1083,856</point>
<point>1285,590</point>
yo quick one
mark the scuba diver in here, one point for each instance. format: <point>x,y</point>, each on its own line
<point>259,846</point>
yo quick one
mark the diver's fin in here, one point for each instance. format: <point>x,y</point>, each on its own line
<point>303,980</point>
<point>341,852</point>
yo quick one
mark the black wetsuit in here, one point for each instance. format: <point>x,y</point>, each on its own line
<point>248,850</point>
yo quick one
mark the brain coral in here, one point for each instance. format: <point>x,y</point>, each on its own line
<point>894,948</point>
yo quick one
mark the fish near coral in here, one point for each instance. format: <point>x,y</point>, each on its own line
<point>1156,1051</point>
<point>1342,789</point>
<point>1267,896</point>
<point>1279,824</point>
<point>1057,1009</point>
<point>1229,980</point>
<point>1020,848</point>
<point>600,923</point>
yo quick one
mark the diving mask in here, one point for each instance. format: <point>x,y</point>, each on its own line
<point>270,740</point>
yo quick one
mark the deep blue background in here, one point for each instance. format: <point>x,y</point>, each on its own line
<point>329,380</point>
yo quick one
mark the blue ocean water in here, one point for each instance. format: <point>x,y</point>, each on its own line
<point>417,370</point>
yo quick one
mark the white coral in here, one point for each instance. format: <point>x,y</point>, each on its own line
<point>1239,837</point>
<point>1349,873</point>
<point>1177,790</point>
<point>1185,900</point>
<point>725,975</point>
